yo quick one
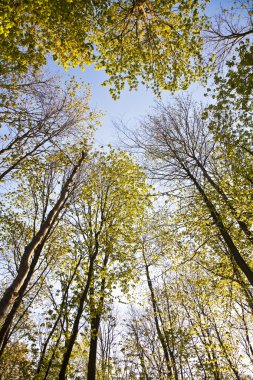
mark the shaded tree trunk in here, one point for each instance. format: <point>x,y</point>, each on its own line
<point>95,322</point>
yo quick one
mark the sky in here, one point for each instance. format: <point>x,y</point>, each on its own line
<point>132,106</point>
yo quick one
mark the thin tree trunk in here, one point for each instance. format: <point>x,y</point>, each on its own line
<point>75,328</point>
<point>52,356</point>
<point>166,335</point>
<point>95,322</point>
<point>159,332</point>
<point>232,366</point>
<point>9,318</point>
<point>21,159</point>
<point>57,319</point>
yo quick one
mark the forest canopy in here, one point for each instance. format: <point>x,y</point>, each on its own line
<point>131,262</point>
<point>129,39</point>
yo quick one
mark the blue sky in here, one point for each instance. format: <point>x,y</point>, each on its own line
<point>132,106</point>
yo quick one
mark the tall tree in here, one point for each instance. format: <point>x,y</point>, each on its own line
<point>183,150</point>
<point>38,118</point>
<point>111,202</point>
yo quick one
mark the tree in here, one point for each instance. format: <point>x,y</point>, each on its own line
<point>164,333</point>
<point>182,149</point>
<point>77,229</point>
<point>128,38</point>
<point>12,292</point>
<point>231,27</point>
<point>111,201</point>
<point>187,310</point>
<point>107,343</point>
<point>39,115</point>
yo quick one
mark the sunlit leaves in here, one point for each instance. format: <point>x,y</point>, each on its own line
<point>155,42</point>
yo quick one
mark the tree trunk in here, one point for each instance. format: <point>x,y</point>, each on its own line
<point>64,298</point>
<point>9,319</point>
<point>159,332</point>
<point>93,348</point>
<point>223,230</point>
<point>243,226</point>
<point>95,322</point>
<point>72,339</point>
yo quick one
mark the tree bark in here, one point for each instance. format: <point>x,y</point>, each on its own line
<point>8,320</point>
<point>95,322</point>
